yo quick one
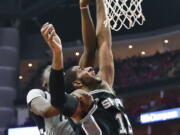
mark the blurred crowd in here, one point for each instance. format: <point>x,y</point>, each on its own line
<point>143,105</point>
<point>137,71</point>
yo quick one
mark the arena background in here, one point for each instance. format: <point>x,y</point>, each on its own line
<point>147,60</point>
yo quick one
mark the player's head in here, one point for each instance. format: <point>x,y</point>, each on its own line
<point>77,77</point>
<point>45,77</point>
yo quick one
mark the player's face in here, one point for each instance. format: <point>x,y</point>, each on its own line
<point>87,75</point>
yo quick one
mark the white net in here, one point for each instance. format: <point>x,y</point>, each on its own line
<point>123,13</point>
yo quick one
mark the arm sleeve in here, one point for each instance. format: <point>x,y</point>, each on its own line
<point>67,104</point>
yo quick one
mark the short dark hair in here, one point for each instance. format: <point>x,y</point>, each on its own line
<point>69,77</point>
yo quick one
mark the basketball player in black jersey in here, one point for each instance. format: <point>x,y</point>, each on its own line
<point>103,113</point>
<point>48,119</point>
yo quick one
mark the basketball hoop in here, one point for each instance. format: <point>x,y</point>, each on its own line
<point>123,13</point>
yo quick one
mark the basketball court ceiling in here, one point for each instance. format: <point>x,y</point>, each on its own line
<point>65,15</point>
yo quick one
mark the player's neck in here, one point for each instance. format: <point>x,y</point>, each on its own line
<point>106,86</point>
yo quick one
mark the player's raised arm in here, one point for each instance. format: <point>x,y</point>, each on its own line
<point>104,39</point>
<point>56,80</point>
<point>89,36</point>
<point>69,105</point>
<point>52,39</point>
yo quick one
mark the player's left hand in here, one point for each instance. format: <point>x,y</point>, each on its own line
<point>50,36</point>
<point>86,100</point>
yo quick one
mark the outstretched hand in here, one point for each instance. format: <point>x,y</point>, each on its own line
<point>50,36</point>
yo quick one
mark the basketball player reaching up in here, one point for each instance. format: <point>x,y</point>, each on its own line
<point>101,115</point>
<point>46,117</point>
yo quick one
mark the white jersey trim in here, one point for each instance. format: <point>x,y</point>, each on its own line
<point>95,127</point>
<point>99,91</point>
<point>94,108</point>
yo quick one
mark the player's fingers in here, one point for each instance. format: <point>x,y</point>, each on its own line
<point>43,32</point>
<point>43,28</point>
<point>45,24</point>
<point>48,31</point>
<point>76,95</point>
<point>51,35</point>
<point>76,92</point>
<point>82,92</point>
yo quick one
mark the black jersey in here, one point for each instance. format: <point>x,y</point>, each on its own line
<point>106,117</point>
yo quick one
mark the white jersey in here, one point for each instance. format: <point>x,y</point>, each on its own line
<point>53,125</point>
